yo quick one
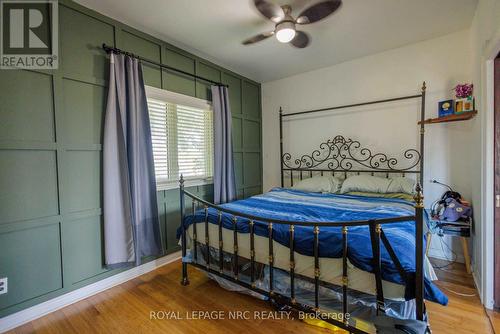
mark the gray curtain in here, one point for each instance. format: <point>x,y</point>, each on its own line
<point>131,226</point>
<point>224,183</point>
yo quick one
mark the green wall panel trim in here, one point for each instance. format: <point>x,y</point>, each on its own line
<point>83,249</point>
<point>118,25</point>
<point>240,193</point>
<point>80,39</point>
<point>178,82</point>
<point>203,89</point>
<point>238,169</point>
<point>173,217</point>
<point>152,75</point>
<point>252,169</point>
<point>234,92</point>
<point>251,99</point>
<point>31,259</point>
<point>26,118</point>
<point>237,134</point>
<point>170,198</point>
<point>28,186</point>
<point>252,191</point>
<point>84,106</point>
<point>57,165</point>
<point>179,61</point>
<point>251,135</point>
<point>29,224</point>
<point>148,50</point>
<point>82,180</point>
<point>141,46</point>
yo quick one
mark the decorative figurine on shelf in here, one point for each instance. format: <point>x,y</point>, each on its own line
<point>465,100</point>
<point>446,108</point>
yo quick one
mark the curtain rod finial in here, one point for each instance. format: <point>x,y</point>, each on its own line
<point>424,87</point>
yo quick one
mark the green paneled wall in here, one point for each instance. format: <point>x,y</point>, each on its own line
<point>51,123</point>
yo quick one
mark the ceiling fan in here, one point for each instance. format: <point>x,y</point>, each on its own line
<point>285,24</point>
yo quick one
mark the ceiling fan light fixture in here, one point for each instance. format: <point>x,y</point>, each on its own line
<point>285,31</point>
<point>284,22</point>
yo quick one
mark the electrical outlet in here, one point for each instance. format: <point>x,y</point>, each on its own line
<point>3,285</point>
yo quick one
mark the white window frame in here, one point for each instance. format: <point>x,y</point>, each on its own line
<point>176,98</point>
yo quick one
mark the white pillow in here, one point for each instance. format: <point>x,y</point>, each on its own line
<point>365,183</point>
<point>319,184</point>
<point>376,184</point>
<point>402,185</point>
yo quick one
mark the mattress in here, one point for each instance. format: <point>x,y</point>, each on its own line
<point>330,268</point>
<point>291,205</point>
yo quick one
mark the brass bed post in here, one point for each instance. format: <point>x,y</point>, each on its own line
<point>235,245</point>
<point>422,133</point>
<point>195,235</point>
<point>375,231</point>
<point>271,260</point>
<point>207,238</point>
<point>345,279</point>
<point>281,148</point>
<point>252,254</point>
<point>316,267</point>
<point>185,280</point>
<point>419,253</point>
<point>221,245</point>
<point>419,219</point>
<point>292,263</point>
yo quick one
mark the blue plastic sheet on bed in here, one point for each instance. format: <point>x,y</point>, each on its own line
<point>293,205</point>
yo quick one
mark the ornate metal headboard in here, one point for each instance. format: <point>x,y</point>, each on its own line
<point>345,155</point>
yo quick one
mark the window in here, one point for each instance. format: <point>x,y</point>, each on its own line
<point>182,137</point>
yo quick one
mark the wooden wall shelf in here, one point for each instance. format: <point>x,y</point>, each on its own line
<point>451,118</point>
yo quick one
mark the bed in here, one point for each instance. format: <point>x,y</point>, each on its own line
<point>342,253</point>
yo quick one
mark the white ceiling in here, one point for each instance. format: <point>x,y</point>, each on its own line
<point>214,29</point>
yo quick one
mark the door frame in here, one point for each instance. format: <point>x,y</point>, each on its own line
<point>496,163</point>
<point>484,264</point>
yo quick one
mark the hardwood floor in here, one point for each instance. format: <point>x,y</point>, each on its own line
<point>495,320</point>
<point>464,314</point>
<point>126,308</point>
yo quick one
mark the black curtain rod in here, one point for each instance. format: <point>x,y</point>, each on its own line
<point>353,105</point>
<point>110,49</point>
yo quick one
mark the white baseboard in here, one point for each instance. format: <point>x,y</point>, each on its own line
<point>19,318</point>
<point>475,279</point>
<point>487,303</point>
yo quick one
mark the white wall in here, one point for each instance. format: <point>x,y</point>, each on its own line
<point>485,45</point>
<point>442,63</point>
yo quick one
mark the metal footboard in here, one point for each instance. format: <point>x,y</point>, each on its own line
<point>377,237</point>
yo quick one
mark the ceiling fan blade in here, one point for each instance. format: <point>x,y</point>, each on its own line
<point>301,40</point>
<point>270,10</point>
<point>318,11</point>
<point>257,38</point>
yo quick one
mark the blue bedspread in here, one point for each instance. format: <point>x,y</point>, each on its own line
<point>293,205</point>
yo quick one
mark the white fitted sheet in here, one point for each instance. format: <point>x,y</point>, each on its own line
<point>330,268</point>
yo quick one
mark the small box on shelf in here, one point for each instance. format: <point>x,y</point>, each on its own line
<point>446,108</point>
<point>464,105</point>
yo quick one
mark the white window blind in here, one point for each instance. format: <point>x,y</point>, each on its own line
<point>182,138</point>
